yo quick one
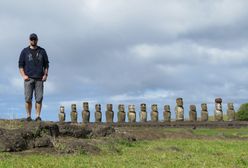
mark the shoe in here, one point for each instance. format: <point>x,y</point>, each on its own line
<point>38,119</point>
<point>29,119</point>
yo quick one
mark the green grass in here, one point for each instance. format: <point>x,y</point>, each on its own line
<point>238,133</point>
<point>156,153</point>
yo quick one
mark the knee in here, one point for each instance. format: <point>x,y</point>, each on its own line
<point>28,99</point>
<point>39,100</point>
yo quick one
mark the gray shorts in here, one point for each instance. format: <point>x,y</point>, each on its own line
<point>36,86</point>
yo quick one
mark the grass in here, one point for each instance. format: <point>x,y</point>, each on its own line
<point>154,153</point>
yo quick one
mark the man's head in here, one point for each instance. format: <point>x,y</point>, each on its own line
<point>33,40</point>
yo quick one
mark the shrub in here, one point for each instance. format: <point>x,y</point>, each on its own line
<point>242,113</point>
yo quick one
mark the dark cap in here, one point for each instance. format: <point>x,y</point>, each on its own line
<point>33,36</point>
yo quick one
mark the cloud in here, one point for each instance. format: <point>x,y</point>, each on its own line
<point>123,51</point>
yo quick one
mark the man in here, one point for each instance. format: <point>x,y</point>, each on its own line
<point>33,66</point>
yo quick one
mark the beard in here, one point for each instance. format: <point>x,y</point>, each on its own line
<point>33,44</point>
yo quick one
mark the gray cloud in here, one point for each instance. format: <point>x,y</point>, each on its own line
<point>124,52</point>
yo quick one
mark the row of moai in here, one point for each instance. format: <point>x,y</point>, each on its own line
<point>179,110</point>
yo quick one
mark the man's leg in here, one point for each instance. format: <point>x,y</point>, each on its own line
<point>28,106</point>
<point>38,108</point>
<point>38,97</point>
<point>28,91</point>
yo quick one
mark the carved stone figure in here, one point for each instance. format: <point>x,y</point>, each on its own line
<point>74,113</point>
<point>204,112</point>
<point>98,113</point>
<point>121,113</point>
<point>230,112</point>
<point>154,113</point>
<point>167,113</point>
<point>143,112</point>
<point>109,113</point>
<point>86,112</point>
<point>179,109</point>
<point>192,113</point>
<point>62,114</point>
<point>218,113</point>
<point>131,113</point>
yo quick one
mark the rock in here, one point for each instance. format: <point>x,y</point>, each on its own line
<point>179,109</point>
<point>98,113</point>
<point>230,112</point>
<point>192,113</point>
<point>121,113</point>
<point>74,113</point>
<point>218,113</point>
<point>143,113</point>
<point>109,113</point>
<point>167,113</point>
<point>154,113</point>
<point>204,112</point>
<point>86,112</point>
<point>131,113</point>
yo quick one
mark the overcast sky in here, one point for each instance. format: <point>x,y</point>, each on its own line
<point>126,51</point>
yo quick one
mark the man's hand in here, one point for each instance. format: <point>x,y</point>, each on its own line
<point>44,78</point>
<point>25,77</point>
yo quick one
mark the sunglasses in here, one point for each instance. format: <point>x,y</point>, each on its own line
<point>33,39</point>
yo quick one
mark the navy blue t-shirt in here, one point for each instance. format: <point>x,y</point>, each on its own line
<point>34,61</point>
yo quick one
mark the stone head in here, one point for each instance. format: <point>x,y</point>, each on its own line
<point>192,107</point>
<point>154,107</point>
<point>143,107</point>
<point>86,106</point>
<point>230,106</point>
<point>218,106</point>
<point>98,107</point>
<point>167,108</point>
<point>74,107</point>
<point>109,107</point>
<point>179,101</point>
<point>62,109</point>
<point>204,107</point>
<point>131,108</point>
<point>121,107</point>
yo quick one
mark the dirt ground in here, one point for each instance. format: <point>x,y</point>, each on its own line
<point>24,137</point>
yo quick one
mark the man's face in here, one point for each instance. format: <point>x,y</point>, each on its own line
<point>33,42</point>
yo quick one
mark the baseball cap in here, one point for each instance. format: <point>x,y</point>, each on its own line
<point>33,36</point>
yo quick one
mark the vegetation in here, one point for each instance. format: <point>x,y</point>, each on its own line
<point>242,113</point>
<point>218,148</point>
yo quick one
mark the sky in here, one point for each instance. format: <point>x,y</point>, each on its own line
<point>127,52</point>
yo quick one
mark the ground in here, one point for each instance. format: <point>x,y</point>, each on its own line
<point>66,145</point>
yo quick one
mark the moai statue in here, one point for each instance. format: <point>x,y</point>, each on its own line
<point>131,113</point>
<point>230,112</point>
<point>86,112</point>
<point>143,112</point>
<point>167,113</point>
<point>218,113</point>
<point>179,110</point>
<point>204,112</point>
<point>98,113</point>
<point>192,113</point>
<point>62,114</point>
<point>121,113</point>
<point>109,113</point>
<point>74,113</point>
<point>154,113</point>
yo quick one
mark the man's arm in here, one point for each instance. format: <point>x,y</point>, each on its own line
<point>21,65</point>
<point>44,78</point>
<point>46,66</point>
<point>24,76</point>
